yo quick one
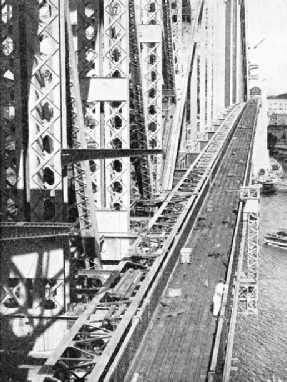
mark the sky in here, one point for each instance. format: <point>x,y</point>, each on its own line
<point>268,19</point>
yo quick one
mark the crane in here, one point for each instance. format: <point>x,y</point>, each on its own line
<point>260,42</point>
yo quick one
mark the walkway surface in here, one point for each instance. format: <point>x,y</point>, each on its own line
<point>178,343</point>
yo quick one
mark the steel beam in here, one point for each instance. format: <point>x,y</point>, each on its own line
<point>220,57</point>
<point>202,69</point>
<point>75,155</point>
<point>248,289</point>
<point>150,40</point>
<point>168,70</point>
<point>82,177</point>
<point>45,186</point>
<point>12,139</point>
<point>210,61</point>
<point>175,129</point>
<point>26,230</point>
<point>116,113</point>
<point>141,181</point>
<point>176,27</point>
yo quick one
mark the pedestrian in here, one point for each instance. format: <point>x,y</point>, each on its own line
<point>218,292</point>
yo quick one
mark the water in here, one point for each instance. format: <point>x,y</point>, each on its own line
<point>261,341</point>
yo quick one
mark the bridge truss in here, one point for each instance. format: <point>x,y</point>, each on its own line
<point>145,75</point>
<point>248,280</point>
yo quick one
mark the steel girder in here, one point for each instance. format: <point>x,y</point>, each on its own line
<point>141,181</point>
<point>102,46</point>
<point>81,170</point>
<point>75,155</point>
<point>151,63</point>
<point>12,142</point>
<point>248,288</point>
<point>168,48</point>
<point>45,42</point>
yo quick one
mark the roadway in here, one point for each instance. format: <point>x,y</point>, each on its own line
<point>179,340</point>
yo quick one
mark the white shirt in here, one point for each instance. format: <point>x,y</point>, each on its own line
<point>219,288</point>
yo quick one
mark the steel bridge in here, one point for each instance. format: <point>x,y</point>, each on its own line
<point>127,129</point>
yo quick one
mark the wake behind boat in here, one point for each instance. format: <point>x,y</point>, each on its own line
<point>278,239</point>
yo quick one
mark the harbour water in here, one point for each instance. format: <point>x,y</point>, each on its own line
<point>261,341</point>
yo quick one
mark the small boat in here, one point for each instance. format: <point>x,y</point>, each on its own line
<point>281,187</point>
<point>278,239</point>
<point>268,188</point>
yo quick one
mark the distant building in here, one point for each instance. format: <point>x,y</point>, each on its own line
<point>277,104</point>
<point>277,119</point>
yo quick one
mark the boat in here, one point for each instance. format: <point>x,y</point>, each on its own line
<point>278,239</point>
<point>268,188</point>
<point>281,187</point>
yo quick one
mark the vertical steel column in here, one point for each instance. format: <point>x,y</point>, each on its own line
<point>244,50</point>
<point>221,43</point>
<point>44,109</point>
<point>241,54</point>
<point>194,97</point>
<point>141,173</point>
<point>116,112</point>
<point>176,27</point>
<point>239,74</point>
<point>168,69</point>
<point>215,60</point>
<point>202,70</point>
<point>151,62</point>
<point>229,53</point>
<point>82,176</point>
<point>210,61</point>
<point>248,288</point>
<point>234,53</point>
<point>85,17</point>
<point>12,192</point>
<point>253,245</point>
<point>103,64</point>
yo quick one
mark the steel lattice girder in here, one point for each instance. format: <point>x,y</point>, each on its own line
<point>248,293</point>
<point>176,27</point>
<point>253,245</point>
<point>44,55</point>
<point>251,192</point>
<point>86,23</point>
<point>248,298</point>
<point>102,45</point>
<point>170,72</point>
<point>19,231</point>
<point>116,112</point>
<point>12,194</point>
<point>141,182</point>
<point>82,177</point>
<point>151,63</point>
